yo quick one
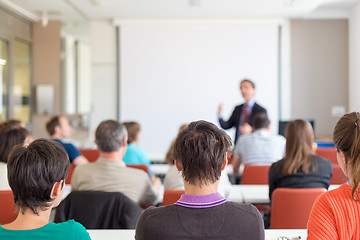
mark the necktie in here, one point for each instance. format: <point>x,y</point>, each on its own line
<point>245,114</point>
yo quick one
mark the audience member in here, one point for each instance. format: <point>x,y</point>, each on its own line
<point>10,135</point>
<point>135,154</point>
<point>201,213</point>
<point>243,115</point>
<point>336,214</point>
<point>36,176</point>
<point>299,168</point>
<point>173,178</point>
<point>259,147</point>
<point>110,174</point>
<point>59,128</point>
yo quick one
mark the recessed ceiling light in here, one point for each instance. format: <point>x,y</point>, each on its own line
<point>195,3</point>
<point>292,3</point>
<point>97,3</point>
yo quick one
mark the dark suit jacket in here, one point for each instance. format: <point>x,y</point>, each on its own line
<point>234,120</point>
<point>99,210</point>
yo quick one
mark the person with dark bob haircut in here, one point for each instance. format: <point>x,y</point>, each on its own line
<point>336,213</point>
<point>200,153</point>
<point>36,176</point>
<point>10,135</point>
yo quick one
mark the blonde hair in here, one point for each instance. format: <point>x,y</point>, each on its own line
<point>169,158</point>
<point>346,138</point>
<point>298,153</point>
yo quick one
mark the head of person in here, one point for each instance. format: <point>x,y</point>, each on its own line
<point>247,88</point>
<point>200,153</point>
<point>169,155</point>
<point>59,126</point>
<point>133,130</point>
<point>261,121</point>
<point>298,152</point>
<point>346,138</point>
<point>36,174</point>
<point>12,122</point>
<point>111,136</point>
<point>11,135</point>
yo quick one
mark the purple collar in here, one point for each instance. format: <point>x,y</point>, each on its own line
<point>200,201</point>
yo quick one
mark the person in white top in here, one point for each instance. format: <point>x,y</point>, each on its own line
<point>259,147</point>
<point>10,135</point>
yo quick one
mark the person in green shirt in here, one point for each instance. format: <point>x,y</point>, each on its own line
<point>36,175</point>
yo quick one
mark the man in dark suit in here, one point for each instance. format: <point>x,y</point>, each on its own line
<point>243,115</point>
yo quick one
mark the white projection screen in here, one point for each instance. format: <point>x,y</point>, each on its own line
<point>175,73</point>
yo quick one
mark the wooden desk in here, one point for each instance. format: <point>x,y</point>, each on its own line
<point>270,234</point>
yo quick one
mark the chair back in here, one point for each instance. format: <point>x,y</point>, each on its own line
<point>90,154</point>
<point>99,210</point>
<point>8,211</point>
<point>139,166</point>
<point>338,176</point>
<point>328,153</point>
<point>171,196</point>
<point>69,176</point>
<point>291,207</point>
<point>255,174</point>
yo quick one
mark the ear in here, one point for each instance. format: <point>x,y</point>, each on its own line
<point>57,128</point>
<point>124,142</point>
<point>225,161</point>
<point>56,190</point>
<point>342,158</point>
<point>178,165</point>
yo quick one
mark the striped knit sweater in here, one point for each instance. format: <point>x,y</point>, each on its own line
<point>335,215</point>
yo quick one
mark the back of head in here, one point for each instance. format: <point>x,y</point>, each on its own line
<point>133,128</point>
<point>109,136</point>
<point>261,121</point>
<point>200,150</point>
<point>346,138</point>
<point>299,138</point>
<point>52,123</point>
<point>11,135</point>
<point>33,170</point>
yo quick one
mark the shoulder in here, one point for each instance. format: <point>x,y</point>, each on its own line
<point>157,212</point>
<point>248,209</point>
<point>259,108</point>
<point>72,227</point>
<point>323,162</point>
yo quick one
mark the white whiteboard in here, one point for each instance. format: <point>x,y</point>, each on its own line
<point>177,73</point>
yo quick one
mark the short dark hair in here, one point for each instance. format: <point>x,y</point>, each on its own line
<point>200,149</point>
<point>52,123</point>
<point>10,122</point>
<point>133,128</point>
<point>109,135</point>
<point>11,135</point>
<point>261,121</point>
<point>33,170</point>
<point>249,81</point>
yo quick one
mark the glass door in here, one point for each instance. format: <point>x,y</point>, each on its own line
<point>4,69</point>
<point>22,81</point>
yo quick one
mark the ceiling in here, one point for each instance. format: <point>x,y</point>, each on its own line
<point>75,10</point>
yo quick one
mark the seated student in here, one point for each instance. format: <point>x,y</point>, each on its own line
<point>336,213</point>
<point>10,135</point>
<point>173,178</point>
<point>201,213</point>
<point>110,174</point>
<point>36,176</point>
<point>135,154</point>
<point>59,128</point>
<point>299,168</point>
<point>259,147</point>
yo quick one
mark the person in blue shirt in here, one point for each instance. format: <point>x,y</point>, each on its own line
<point>36,175</point>
<point>59,128</point>
<point>134,153</point>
